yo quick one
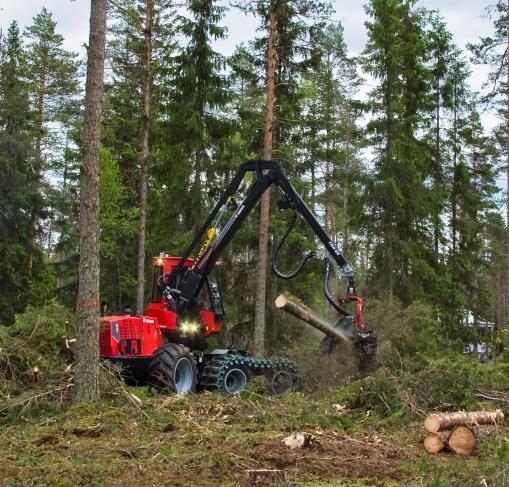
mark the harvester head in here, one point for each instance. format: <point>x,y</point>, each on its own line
<point>364,341</point>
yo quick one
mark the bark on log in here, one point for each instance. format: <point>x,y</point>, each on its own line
<point>435,442</point>
<point>484,430</point>
<point>266,477</point>
<point>440,421</point>
<point>305,314</point>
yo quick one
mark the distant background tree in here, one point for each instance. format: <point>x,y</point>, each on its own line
<point>494,51</point>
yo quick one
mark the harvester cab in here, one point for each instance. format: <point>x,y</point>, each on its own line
<point>201,319</point>
<point>166,347</point>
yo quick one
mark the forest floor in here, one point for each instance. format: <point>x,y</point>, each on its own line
<point>208,439</point>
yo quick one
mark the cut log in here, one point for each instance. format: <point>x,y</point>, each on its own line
<point>435,442</point>
<point>462,440</point>
<point>484,430</point>
<point>302,312</point>
<point>440,421</point>
<point>266,477</point>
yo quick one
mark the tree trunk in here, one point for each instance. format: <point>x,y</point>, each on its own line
<point>37,170</point>
<point>87,309</point>
<point>454,222</point>
<point>440,421</point>
<point>436,442</point>
<point>261,276</point>
<point>462,440</point>
<point>507,177</point>
<point>145,154</point>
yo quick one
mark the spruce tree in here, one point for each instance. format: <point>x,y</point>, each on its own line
<point>197,96</point>
<point>398,200</point>
<point>142,33</point>
<point>15,175</point>
<point>331,141</point>
<point>494,51</point>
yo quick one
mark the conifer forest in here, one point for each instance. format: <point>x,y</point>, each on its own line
<point>119,366</point>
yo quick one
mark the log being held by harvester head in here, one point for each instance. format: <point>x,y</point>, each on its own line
<point>441,421</point>
<point>302,312</point>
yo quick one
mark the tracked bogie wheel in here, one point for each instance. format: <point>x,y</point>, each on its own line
<point>231,373</point>
<point>173,369</point>
<point>226,374</point>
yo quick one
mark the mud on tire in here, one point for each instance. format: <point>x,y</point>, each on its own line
<point>173,369</point>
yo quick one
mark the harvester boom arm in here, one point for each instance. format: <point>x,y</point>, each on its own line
<point>184,284</point>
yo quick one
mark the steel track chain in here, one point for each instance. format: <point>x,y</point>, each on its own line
<point>214,372</point>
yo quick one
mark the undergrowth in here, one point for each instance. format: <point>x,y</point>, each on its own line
<point>132,436</point>
<point>416,371</point>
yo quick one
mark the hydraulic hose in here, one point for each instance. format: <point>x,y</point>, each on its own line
<point>327,291</point>
<point>277,248</point>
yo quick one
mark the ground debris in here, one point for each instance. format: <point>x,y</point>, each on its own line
<point>301,439</point>
<point>266,477</point>
<point>340,409</point>
<point>91,431</point>
<point>373,440</point>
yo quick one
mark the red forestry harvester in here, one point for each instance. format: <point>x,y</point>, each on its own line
<point>166,348</point>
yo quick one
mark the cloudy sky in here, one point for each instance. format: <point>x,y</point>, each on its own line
<point>465,19</point>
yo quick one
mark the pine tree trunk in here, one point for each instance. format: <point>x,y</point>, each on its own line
<point>462,440</point>
<point>507,176</point>
<point>436,442</point>
<point>261,276</point>
<point>87,309</point>
<point>37,170</point>
<point>454,181</point>
<point>436,230</point>
<point>145,154</point>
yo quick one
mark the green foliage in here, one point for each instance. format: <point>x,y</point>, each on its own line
<point>15,150</point>
<point>36,339</point>
<point>419,370</point>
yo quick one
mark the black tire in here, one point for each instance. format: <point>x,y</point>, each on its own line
<point>173,369</point>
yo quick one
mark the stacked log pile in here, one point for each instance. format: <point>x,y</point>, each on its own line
<point>459,430</point>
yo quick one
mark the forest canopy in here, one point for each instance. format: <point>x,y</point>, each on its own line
<point>403,175</point>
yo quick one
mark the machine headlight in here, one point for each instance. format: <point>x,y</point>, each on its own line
<point>189,327</point>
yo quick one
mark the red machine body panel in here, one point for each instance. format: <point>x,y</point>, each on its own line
<point>167,319</point>
<point>208,319</point>
<point>129,336</point>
